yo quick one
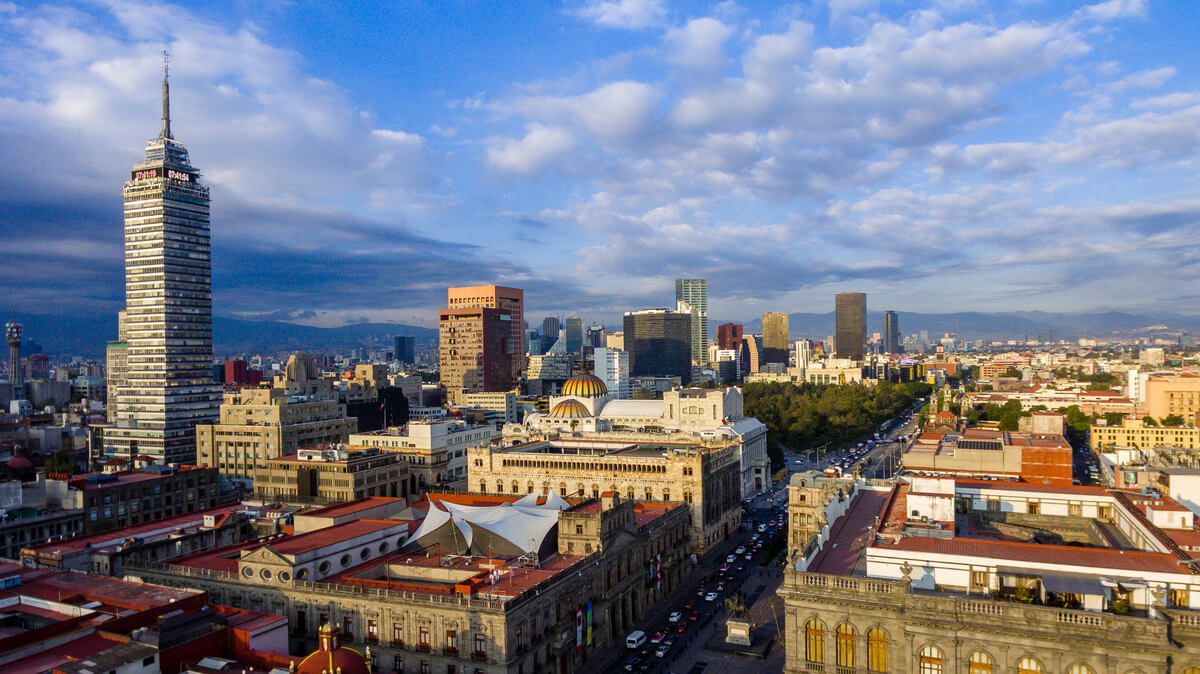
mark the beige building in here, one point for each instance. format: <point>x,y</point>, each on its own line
<point>1135,433</point>
<point>435,451</point>
<point>331,475</point>
<point>258,424</point>
<point>775,341</point>
<point>704,475</point>
<point>615,340</point>
<point>1173,394</point>
<point>434,603</point>
<point>301,376</point>
<point>501,405</point>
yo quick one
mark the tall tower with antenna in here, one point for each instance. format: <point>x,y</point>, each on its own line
<point>168,386</point>
<point>16,373</point>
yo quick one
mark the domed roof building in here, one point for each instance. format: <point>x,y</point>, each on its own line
<point>333,658</point>
<point>585,385</point>
<point>570,409</point>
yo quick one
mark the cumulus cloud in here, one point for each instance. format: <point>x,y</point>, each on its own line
<point>698,44</point>
<point>540,145</point>
<point>629,14</point>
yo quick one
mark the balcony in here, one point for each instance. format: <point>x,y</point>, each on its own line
<point>479,656</point>
<point>450,650</point>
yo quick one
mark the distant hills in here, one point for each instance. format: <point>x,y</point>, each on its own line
<point>86,335</point>
<point>1010,325</point>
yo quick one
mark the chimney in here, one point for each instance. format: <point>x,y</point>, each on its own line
<point>609,500</point>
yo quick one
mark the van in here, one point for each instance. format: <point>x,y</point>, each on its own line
<point>635,639</point>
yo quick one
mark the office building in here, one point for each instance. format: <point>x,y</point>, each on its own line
<point>331,474</point>
<point>729,336</point>
<point>612,367</point>
<point>169,387</point>
<point>938,574</point>
<point>775,340</point>
<point>116,367</point>
<point>1169,395</point>
<point>259,424</point>
<point>1137,433</point>
<point>509,300</point>
<point>475,350</point>
<point>752,353</point>
<point>615,340</point>
<point>891,332</point>
<point>435,451</point>
<point>693,293</point>
<point>574,334</point>
<point>550,327</point>
<point>404,348</point>
<point>851,325</point>
<point>16,372</point>
<point>659,342</point>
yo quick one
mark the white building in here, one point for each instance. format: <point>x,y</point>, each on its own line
<point>612,367</point>
<point>436,451</point>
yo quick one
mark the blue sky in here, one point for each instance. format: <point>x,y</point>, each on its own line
<point>953,155</point>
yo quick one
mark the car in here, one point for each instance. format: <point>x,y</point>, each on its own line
<point>748,557</point>
<point>681,628</point>
<point>721,586</point>
<point>711,596</point>
<point>762,528</point>
<point>740,568</point>
<point>631,664</point>
<point>725,566</point>
<point>657,638</point>
<point>730,558</point>
<point>675,616</point>
<point>689,605</point>
<point>661,651</point>
<point>740,549</point>
<point>693,617</point>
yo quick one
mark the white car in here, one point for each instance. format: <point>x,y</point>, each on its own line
<point>675,616</point>
<point>711,596</point>
<point>741,550</point>
<point>730,559</point>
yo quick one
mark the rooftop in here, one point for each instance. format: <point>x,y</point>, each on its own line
<point>115,537</point>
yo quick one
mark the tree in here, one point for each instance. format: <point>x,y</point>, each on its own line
<point>59,462</point>
<point>1149,421</point>
<point>1011,373</point>
<point>1114,418</point>
<point>1173,420</point>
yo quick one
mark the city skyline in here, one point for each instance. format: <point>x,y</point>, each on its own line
<point>1030,122</point>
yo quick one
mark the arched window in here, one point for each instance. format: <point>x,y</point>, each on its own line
<point>845,645</point>
<point>877,644</point>
<point>482,487</point>
<point>1029,666</point>
<point>814,641</point>
<point>1084,669</point>
<point>931,660</point>
<point>980,663</point>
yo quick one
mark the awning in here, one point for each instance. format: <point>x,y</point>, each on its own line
<point>1072,583</point>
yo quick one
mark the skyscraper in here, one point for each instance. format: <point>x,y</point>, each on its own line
<point>509,300</point>
<point>404,347</point>
<point>474,350</point>
<point>168,385</point>
<point>659,342</point>
<point>775,339</point>
<point>574,334</point>
<point>550,327</point>
<point>891,332</point>
<point>612,367</point>
<point>16,371</point>
<point>691,294</point>
<point>851,330</point>
<point>729,336</point>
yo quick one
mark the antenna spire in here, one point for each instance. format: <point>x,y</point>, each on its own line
<point>166,98</point>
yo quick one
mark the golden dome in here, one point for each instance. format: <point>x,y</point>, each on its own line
<point>584,386</point>
<point>570,409</point>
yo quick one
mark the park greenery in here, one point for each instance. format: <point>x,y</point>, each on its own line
<point>807,416</point>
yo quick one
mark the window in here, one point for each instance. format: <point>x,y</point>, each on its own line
<point>372,631</point>
<point>348,628</point>
<point>980,663</point>
<point>1084,669</point>
<point>1029,666</point>
<point>979,579</point>
<point>931,660</point>
<point>845,645</point>
<point>814,641</point>
<point>1075,510</point>
<point>424,667</point>
<point>397,634</point>
<point>1179,598</point>
<point>1032,508</point>
<point>452,641</point>
<point>423,644</point>
<point>480,644</point>
<point>877,644</point>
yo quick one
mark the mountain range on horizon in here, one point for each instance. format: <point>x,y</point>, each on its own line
<point>86,335</point>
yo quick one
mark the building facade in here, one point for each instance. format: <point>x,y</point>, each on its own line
<point>509,300</point>
<point>729,336</point>
<point>693,293</point>
<point>331,474</point>
<point>1173,395</point>
<point>259,424</point>
<point>404,348</point>
<point>659,342</point>
<point>612,367</point>
<point>435,451</point>
<point>169,386</point>
<point>775,339</point>
<point>1137,434</point>
<point>475,350</point>
<point>891,332</point>
<point>850,335</point>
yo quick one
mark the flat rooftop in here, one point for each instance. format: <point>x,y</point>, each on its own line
<point>351,507</point>
<point>109,540</point>
<point>226,558</point>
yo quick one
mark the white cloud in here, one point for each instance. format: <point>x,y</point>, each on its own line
<point>629,14</point>
<point>540,146</point>
<point>1146,79</point>
<point>698,44</point>
<point>1175,100</point>
<point>1115,9</point>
